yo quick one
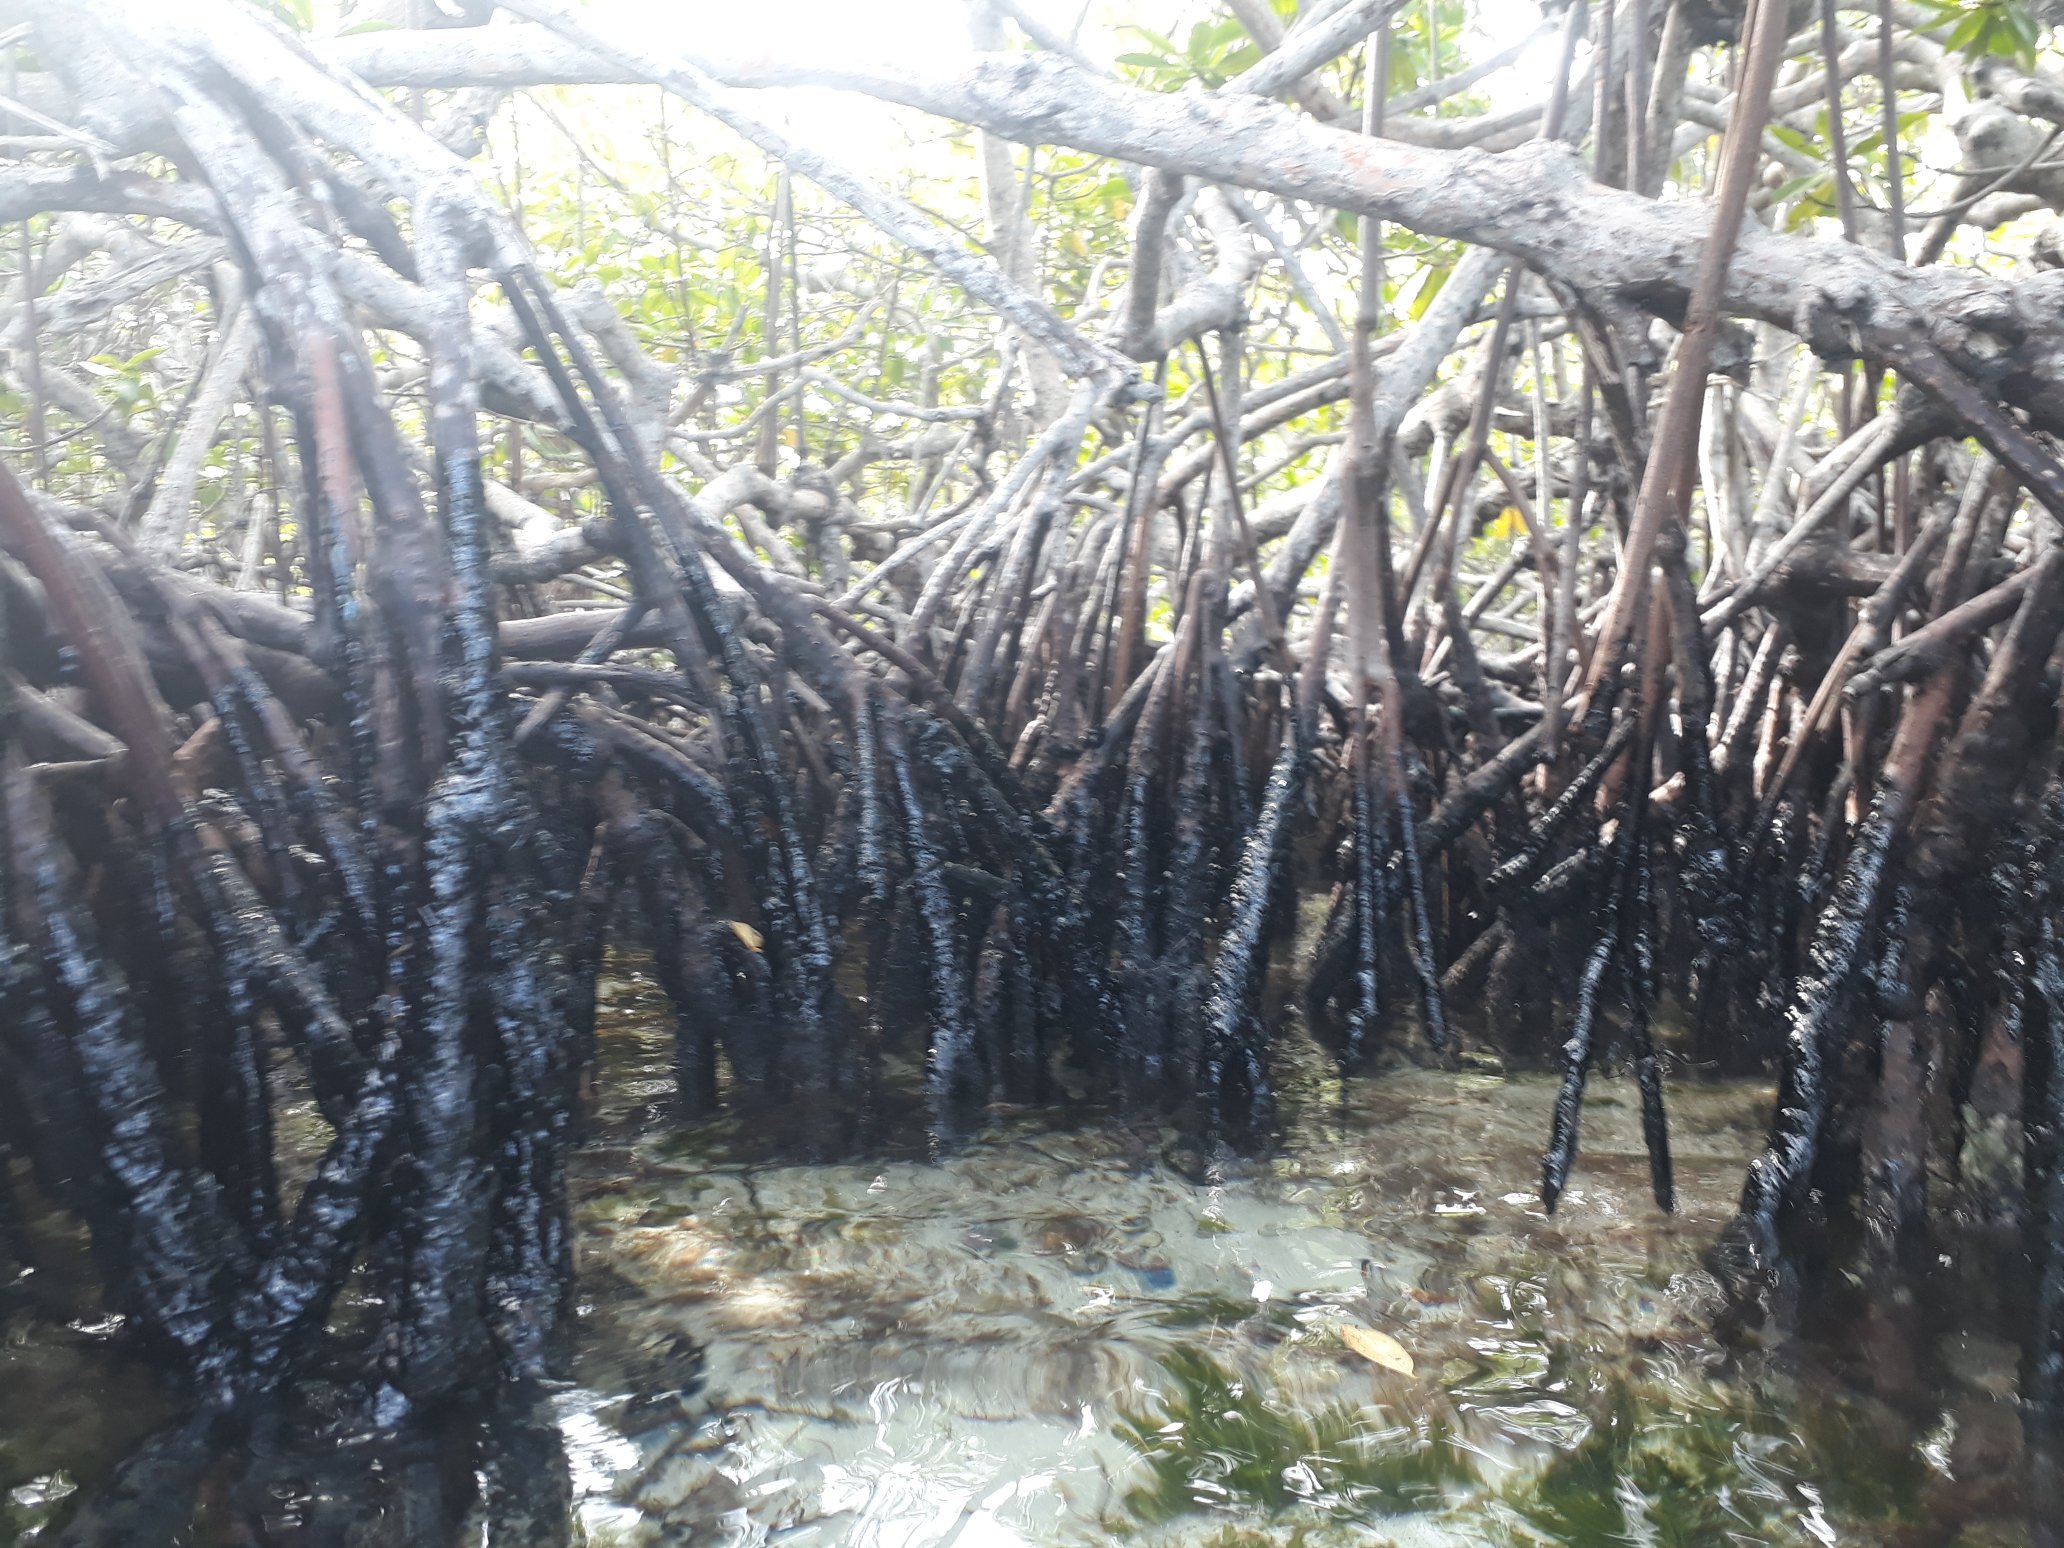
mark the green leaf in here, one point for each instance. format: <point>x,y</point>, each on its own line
<point>1811,182</point>
<point>1429,287</point>
<point>1165,45</point>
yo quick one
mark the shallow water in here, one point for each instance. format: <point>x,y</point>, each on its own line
<point>1065,1334</point>
<point>1060,1335</point>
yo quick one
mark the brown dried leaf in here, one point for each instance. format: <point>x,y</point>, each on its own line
<point>1377,1348</point>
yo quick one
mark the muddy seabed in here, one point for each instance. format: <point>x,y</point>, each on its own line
<point>1075,1334</point>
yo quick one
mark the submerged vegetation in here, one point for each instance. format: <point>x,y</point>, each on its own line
<point>1674,1466</point>
<point>1216,1444</point>
<point>1580,512</point>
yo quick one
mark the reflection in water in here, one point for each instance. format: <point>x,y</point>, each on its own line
<point>1059,1336</point>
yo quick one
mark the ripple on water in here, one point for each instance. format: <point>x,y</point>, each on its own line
<point>1061,1337</point>
<point>1057,1338</point>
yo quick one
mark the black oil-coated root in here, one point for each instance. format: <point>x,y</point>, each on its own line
<point>1027,812</point>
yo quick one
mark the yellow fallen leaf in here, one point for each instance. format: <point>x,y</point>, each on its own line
<point>1377,1348</point>
<point>746,933</point>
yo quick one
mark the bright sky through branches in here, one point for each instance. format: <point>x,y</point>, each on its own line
<point>931,36</point>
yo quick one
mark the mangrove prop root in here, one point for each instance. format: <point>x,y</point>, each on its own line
<point>1011,717</point>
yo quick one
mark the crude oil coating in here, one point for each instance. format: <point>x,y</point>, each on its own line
<point>1013,1342</point>
<point>325,1095</point>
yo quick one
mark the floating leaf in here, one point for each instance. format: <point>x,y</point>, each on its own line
<point>1377,1348</point>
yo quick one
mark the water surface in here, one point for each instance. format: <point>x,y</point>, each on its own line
<point>1060,1333</point>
